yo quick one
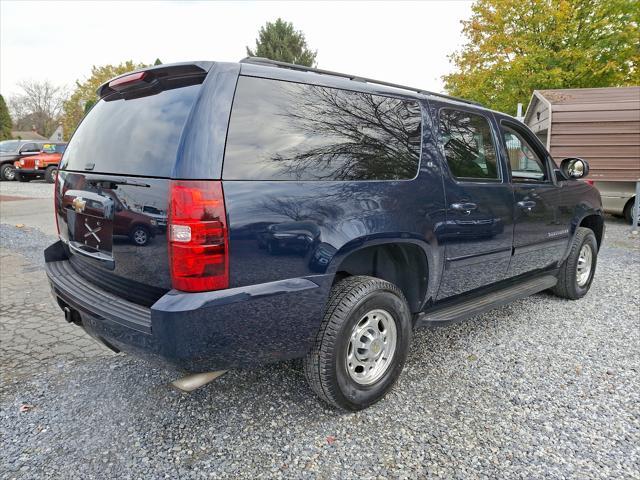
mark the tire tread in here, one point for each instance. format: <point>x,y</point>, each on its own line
<point>566,276</point>
<point>318,363</point>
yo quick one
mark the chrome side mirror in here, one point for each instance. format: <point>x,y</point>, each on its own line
<point>574,168</point>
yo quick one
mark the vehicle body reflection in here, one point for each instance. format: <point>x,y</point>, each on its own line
<point>293,237</point>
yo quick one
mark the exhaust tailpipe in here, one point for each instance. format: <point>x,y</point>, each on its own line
<point>196,380</point>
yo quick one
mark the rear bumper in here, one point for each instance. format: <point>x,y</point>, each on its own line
<point>237,327</point>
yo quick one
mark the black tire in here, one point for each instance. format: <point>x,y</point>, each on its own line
<point>325,366</point>
<point>568,286</point>
<point>50,174</point>
<point>21,177</point>
<point>628,211</point>
<point>7,172</point>
<point>140,235</point>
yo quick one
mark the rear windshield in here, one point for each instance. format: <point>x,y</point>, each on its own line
<point>137,136</point>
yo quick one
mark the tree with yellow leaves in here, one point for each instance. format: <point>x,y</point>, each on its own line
<point>516,46</point>
<point>84,96</point>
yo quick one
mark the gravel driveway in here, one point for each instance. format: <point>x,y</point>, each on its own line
<point>543,388</point>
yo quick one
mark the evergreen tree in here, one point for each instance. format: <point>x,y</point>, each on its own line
<point>281,41</point>
<point>5,121</point>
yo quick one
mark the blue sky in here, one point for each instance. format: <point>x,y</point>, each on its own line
<point>402,42</point>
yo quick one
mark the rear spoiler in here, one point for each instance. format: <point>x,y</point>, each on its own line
<point>153,77</point>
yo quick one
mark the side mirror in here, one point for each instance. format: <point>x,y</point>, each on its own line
<point>574,168</point>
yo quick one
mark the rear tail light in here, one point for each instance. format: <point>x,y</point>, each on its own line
<point>198,236</point>
<point>590,182</point>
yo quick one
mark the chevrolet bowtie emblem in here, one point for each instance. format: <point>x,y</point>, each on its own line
<point>92,232</point>
<point>78,204</point>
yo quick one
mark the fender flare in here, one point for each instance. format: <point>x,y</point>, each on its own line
<point>431,252</point>
<point>582,211</point>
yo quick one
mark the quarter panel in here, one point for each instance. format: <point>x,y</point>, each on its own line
<point>282,230</point>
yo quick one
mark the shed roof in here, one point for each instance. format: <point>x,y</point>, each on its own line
<point>573,96</point>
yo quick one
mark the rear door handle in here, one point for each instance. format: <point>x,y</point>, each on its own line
<point>526,205</point>
<point>464,207</point>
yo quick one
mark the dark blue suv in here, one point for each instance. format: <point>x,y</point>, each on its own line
<point>293,212</point>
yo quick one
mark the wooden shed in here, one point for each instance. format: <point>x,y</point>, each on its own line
<point>601,125</point>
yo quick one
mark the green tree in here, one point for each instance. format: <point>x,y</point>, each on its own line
<point>514,47</point>
<point>157,62</point>
<point>84,96</point>
<point>5,121</point>
<point>281,41</point>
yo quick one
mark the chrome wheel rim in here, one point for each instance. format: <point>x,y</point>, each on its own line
<point>10,173</point>
<point>371,347</point>
<point>140,237</point>
<point>584,265</point>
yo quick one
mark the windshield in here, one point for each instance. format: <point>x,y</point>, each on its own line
<point>9,145</point>
<point>53,148</point>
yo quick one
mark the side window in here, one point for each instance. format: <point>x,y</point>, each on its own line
<point>526,164</point>
<point>468,145</point>
<point>292,131</point>
<point>29,147</point>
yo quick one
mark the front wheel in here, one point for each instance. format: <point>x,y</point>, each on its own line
<point>576,273</point>
<point>7,172</point>
<point>363,341</point>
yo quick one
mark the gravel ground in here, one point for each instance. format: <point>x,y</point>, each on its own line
<point>542,388</point>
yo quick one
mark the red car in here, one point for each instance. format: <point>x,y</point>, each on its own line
<point>45,164</point>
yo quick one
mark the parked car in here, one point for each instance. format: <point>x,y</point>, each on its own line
<point>44,164</point>
<point>12,150</point>
<point>382,185</point>
<point>138,227</point>
<point>618,198</point>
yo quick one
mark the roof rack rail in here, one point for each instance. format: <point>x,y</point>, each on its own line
<point>356,78</point>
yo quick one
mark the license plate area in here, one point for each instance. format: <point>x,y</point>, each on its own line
<point>92,233</point>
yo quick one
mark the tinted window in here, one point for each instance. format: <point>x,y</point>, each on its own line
<point>468,145</point>
<point>137,136</point>
<point>526,164</point>
<point>291,131</point>
<point>30,147</point>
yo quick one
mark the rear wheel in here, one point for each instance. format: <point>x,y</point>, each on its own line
<point>140,235</point>
<point>628,211</point>
<point>576,273</point>
<point>7,172</point>
<point>50,174</point>
<point>362,344</point>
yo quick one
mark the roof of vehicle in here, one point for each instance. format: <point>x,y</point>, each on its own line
<point>259,66</point>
